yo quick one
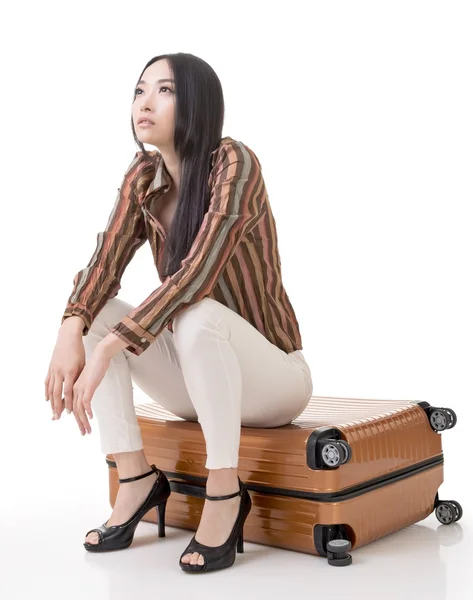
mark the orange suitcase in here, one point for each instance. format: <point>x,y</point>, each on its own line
<point>344,473</point>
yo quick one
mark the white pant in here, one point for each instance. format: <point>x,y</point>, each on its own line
<point>216,368</point>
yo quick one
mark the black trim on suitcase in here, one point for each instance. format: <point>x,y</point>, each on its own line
<point>195,486</point>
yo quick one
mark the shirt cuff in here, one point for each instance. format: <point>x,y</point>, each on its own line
<point>138,338</point>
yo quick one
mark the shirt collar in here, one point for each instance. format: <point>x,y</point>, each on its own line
<point>162,179</point>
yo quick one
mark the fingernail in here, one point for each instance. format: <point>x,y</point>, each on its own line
<point>68,411</point>
<point>56,416</point>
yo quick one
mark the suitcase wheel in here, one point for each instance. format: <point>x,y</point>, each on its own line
<point>448,511</point>
<point>337,553</point>
<point>326,449</point>
<point>441,418</point>
<point>334,453</point>
<point>453,417</point>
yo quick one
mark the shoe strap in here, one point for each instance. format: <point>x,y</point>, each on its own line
<point>229,495</point>
<point>153,470</point>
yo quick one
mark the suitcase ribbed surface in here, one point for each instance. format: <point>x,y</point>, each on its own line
<point>384,435</point>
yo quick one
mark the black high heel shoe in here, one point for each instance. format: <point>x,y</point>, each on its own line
<point>116,537</point>
<point>221,557</point>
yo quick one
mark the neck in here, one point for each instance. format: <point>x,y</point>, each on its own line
<point>172,166</point>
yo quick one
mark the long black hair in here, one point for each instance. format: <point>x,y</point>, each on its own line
<point>199,114</point>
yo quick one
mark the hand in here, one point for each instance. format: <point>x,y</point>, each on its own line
<point>66,364</point>
<point>85,386</point>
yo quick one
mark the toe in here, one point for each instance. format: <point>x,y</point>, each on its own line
<point>201,560</point>
<point>186,559</point>
<point>194,558</point>
<point>92,538</point>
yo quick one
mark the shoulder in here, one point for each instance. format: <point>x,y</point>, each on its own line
<point>231,151</point>
<point>236,181</point>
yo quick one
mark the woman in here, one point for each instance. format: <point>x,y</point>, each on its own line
<point>218,342</point>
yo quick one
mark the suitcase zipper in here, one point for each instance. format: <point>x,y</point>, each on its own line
<point>195,486</point>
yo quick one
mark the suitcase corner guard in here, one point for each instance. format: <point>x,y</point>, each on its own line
<point>333,542</point>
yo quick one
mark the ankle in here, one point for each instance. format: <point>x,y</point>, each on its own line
<point>132,464</point>
<point>222,481</point>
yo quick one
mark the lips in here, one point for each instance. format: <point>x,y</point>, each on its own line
<point>145,120</point>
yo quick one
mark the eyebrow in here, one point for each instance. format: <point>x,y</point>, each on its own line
<point>158,81</point>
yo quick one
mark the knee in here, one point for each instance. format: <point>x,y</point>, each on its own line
<point>111,313</point>
<point>196,320</point>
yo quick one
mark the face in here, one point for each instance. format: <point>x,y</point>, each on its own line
<point>155,100</point>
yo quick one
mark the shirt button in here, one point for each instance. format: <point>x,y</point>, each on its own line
<point>143,339</point>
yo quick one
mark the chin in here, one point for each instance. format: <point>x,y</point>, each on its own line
<point>146,138</point>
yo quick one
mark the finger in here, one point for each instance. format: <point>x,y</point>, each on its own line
<point>46,385</point>
<point>86,404</point>
<point>83,417</point>
<point>51,390</point>
<point>68,385</point>
<point>79,422</point>
<point>57,395</point>
<point>81,414</point>
<point>75,411</point>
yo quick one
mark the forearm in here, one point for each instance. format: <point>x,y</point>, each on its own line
<point>111,345</point>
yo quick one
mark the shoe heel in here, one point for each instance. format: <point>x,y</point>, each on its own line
<point>160,511</point>
<point>240,544</point>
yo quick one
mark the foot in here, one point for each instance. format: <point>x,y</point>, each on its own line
<point>216,523</point>
<point>129,498</point>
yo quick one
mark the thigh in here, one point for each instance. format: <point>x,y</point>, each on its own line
<point>276,386</point>
<point>156,371</point>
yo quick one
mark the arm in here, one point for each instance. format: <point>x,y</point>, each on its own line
<point>237,201</point>
<point>116,245</point>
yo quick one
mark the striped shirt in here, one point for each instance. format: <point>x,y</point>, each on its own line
<point>234,258</point>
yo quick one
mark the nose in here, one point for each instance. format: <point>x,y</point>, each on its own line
<point>143,111</point>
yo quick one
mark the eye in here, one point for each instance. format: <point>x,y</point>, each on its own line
<point>161,88</point>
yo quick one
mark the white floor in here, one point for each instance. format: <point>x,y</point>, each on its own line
<point>55,488</point>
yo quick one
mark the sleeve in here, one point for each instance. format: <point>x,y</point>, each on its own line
<point>124,233</point>
<point>236,204</point>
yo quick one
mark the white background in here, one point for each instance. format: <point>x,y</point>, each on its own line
<point>360,114</point>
